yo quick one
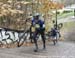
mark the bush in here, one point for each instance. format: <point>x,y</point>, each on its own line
<point>66,11</point>
<point>58,12</point>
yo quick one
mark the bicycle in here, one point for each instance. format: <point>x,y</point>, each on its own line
<point>24,36</point>
<point>58,35</point>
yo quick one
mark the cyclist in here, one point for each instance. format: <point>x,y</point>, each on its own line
<point>58,27</point>
<point>39,29</point>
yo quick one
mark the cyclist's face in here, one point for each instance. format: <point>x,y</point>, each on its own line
<point>37,17</point>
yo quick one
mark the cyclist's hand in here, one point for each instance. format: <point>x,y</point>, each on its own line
<point>33,29</point>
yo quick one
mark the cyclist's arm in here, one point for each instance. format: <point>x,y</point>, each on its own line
<point>33,23</point>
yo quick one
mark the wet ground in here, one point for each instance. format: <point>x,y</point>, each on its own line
<point>61,50</point>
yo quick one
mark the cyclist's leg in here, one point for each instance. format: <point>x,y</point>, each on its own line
<point>35,41</point>
<point>54,40</point>
<point>43,39</point>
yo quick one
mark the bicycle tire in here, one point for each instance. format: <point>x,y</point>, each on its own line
<point>60,25</point>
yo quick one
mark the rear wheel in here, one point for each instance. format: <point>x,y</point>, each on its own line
<point>60,26</point>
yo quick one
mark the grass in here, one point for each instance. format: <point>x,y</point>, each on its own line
<point>68,25</point>
<point>63,15</point>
